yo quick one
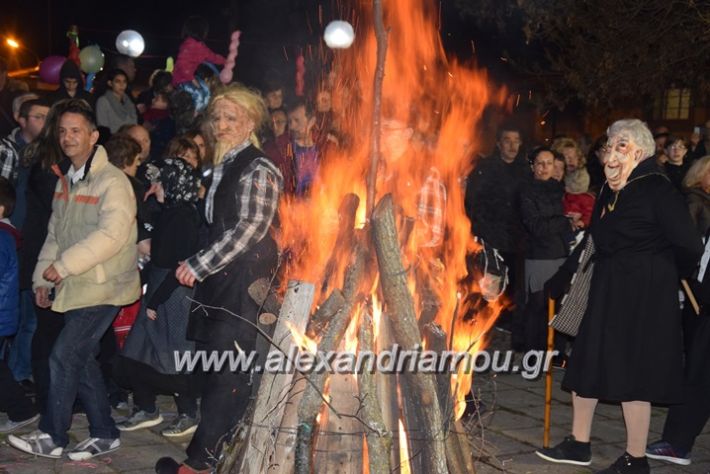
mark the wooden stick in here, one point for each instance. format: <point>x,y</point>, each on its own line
<point>283,462</point>
<point>312,397</point>
<point>381,37</point>
<point>269,403</point>
<point>379,438</point>
<point>400,307</point>
<point>548,375</point>
<point>691,296</point>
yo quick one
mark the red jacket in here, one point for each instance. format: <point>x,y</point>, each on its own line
<point>582,203</point>
<point>191,54</point>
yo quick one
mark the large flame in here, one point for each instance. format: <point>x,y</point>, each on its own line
<point>442,101</point>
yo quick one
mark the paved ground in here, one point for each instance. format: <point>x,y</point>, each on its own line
<point>505,436</point>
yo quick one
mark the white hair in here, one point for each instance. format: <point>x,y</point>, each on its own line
<point>638,132</point>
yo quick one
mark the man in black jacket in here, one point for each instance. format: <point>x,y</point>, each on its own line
<point>492,205</point>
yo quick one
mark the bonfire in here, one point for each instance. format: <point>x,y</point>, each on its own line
<point>366,270</point>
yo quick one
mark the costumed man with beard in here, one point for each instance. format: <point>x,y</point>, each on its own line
<point>241,208</point>
<point>629,347</point>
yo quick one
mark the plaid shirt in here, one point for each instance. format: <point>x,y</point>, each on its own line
<point>431,209</point>
<point>258,192</point>
<point>10,147</point>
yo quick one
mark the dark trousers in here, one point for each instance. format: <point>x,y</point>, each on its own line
<point>225,396</point>
<point>12,397</point>
<point>685,422</point>
<point>20,359</point>
<point>512,316</point>
<point>49,326</point>
<point>147,383</point>
<point>74,371</point>
<point>108,355</point>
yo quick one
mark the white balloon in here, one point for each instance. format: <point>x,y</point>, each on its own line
<point>339,34</point>
<point>130,43</point>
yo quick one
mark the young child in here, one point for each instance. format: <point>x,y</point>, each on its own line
<point>193,51</point>
<point>20,410</point>
<point>161,326</point>
<point>115,109</point>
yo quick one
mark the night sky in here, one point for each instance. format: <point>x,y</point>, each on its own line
<point>273,30</point>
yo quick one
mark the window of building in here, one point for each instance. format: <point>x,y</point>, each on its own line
<point>674,104</point>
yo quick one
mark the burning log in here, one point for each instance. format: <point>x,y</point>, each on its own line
<point>459,455</point>
<point>283,459</point>
<point>347,212</point>
<point>400,307</point>
<point>269,404</point>
<point>379,438</point>
<point>313,395</point>
<point>325,312</point>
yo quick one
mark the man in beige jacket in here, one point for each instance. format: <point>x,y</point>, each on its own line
<point>89,260</point>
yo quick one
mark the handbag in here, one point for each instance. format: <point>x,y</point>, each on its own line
<point>574,303</point>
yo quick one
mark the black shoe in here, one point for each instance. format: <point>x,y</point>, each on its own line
<point>569,451</point>
<point>627,464</point>
<point>29,387</point>
<point>167,466</point>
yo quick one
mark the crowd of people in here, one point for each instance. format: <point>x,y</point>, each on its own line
<point>96,291</point>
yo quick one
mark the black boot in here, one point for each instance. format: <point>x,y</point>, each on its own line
<point>627,464</point>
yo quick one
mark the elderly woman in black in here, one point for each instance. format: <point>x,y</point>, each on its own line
<point>240,209</point>
<point>548,232</point>
<point>629,345</point>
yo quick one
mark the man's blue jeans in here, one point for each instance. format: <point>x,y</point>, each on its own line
<point>74,371</point>
<point>20,358</point>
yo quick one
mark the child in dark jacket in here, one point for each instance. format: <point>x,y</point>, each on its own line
<point>20,410</point>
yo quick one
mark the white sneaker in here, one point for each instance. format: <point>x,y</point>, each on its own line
<point>92,447</point>
<point>38,443</point>
<point>10,426</point>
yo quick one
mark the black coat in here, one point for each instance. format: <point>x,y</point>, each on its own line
<point>699,204</point>
<point>492,201</point>
<point>548,230</point>
<point>629,345</point>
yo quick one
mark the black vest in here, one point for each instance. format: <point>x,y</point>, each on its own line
<point>227,288</point>
<point>225,214</point>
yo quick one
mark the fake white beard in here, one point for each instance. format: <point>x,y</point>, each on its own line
<point>221,148</point>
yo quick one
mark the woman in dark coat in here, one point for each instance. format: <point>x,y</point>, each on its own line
<point>629,345</point>
<point>240,209</point>
<point>548,232</point>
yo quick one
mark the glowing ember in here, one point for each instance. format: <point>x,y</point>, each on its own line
<point>303,341</point>
<point>403,451</point>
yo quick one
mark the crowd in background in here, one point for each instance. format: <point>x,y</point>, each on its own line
<point>531,206</point>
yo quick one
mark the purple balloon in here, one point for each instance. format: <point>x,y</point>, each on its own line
<point>50,67</point>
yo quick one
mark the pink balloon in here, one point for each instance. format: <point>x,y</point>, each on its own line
<point>228,70</point>
<point>50,67</point>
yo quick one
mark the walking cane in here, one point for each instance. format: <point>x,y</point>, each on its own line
<point>548,374</point>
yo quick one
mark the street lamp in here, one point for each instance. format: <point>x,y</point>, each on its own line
<point>12,43</point>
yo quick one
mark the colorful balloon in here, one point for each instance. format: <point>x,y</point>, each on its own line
<point>228,70</point>
<point>49,69</point>
<point>91,59</point>
<point>130,43</point>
